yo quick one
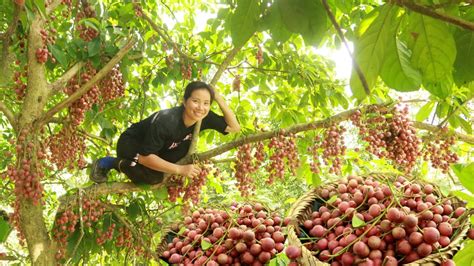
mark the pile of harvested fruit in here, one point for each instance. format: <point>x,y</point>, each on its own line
<point>244,235</point>
<point>379,220</point>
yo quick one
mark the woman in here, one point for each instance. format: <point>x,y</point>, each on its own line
<point>151,147</point>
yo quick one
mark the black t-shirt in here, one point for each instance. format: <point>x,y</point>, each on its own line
<point>164,133</point>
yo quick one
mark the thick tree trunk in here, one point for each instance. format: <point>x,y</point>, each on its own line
<point>32,221</point>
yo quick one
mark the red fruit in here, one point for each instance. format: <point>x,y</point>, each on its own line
<point>374,210</point>
<point>398,232</point>
<point>247,258</point>
<point>248,236</point>
<point>223,259</point>
<point>235,233</point>
<point>470,233</point>
<point>255,249</point>
<point>374,242</point>
<point>264,257</point>
<point>347,258</point>
<point>403,247</point>
<point>410,220</point>
<point>20,2</point>
<point>430,235</point>
<point>267,244</point>
<point>424,250</point>
<point>361,249</point>
<point>175,258</point>
<point>390,261</point>
<point>241,247</point>
<point>278,236</point>
<point>293,252</point>
<point>415,238</point>
<point>445,229</point>
<point>393,214</point>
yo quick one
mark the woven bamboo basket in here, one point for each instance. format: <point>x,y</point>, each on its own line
<point>305,205</point>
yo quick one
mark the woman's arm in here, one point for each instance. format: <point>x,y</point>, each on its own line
<point>229,116</point>
<point>156,163</point>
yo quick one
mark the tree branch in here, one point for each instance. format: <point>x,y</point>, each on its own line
<point>86,87</point>
<point>164,36</point>
<point>468,25</point>
<point>99,190</point>
<point>357,68</point>
<point>11,29</point>
<point>60,82</point>
<point>435,129</point>
<point>8,114</point>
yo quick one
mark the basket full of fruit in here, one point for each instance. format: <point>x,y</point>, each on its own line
<point>377,219</point>
<point>245,234</point>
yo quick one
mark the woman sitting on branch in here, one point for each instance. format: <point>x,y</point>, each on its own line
<point>151,147</point>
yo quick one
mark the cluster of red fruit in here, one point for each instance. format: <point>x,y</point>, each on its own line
<point>380,221</point>
<point>247,235</point>
<point>20,82</point>
<point>248,160</point>
<point>66,222</point>
<point>27,175</point>
<point>284,152</point>
<point>390,135</point>
<point>67,148</point>
<point>79,107</point>
<point>85,32</point>
<point>330,149</point>
<point>188,189</point>
<point>186,70</point>
<point>112,86</point>
<point>438,151</point>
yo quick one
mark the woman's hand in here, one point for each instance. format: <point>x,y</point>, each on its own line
<point>189,170</point>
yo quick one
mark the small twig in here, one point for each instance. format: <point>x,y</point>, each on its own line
<point>362,78</point>
<point>92,136</point>
<point>442,124</point>
<point>437,15</point>
<point>60,82</point>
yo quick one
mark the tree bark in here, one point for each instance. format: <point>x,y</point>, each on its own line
<point>32,222</point>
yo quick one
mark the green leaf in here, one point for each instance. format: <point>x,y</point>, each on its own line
<point>464,63</point>
<point>205,245</point>
<point>161,193</point>
<point>59,55</point>
<point>425,111</point>
<point>434,52</point>
<point>370,48</point>
<point>357,222</point>
<point>465,256</point>
<point>41,7</point>
<point>332,199</point>
<point>93,47</point>
<point>465,175</point>
<point>397,71</point>
<point>91,23</point>
<point>275,24</point>
<point>306,17</point>
<point>135,209</point>
<point>5,230</point>
<point>279,260</point>
<point>244,21</point>
<point>465,125</point>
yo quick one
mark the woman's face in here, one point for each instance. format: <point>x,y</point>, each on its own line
<point>197,106</point>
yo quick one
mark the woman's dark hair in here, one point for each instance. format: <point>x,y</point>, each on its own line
<point>197,85</point>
